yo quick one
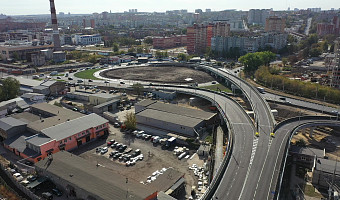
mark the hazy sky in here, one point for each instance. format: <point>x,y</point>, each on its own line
<point>26,7</point>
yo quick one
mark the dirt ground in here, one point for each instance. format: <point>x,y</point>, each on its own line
<point>155,158</point>
<point>159,74</point>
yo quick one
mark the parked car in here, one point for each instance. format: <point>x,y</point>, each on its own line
<point>57,192</point>
<point>69,78</point>
<point>109,143</point>
<point>136,153</point>
<point>90,80</point>
<point>47,195</point>
<point>104,150</point>
<point>99,149</point>
<point>116,125</point>
<point>113,145</point>
<point>18,177</point>
<point>31,178</point>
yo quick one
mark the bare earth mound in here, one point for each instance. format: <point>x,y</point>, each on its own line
<point>159,74</point>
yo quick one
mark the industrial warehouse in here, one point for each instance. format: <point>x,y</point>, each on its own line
<point>50,130</point>
<point>170,118</point>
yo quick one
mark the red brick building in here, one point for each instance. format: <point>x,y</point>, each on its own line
<point>8,24</point>
<point>199,36</point>
<point>169,42</point>
<point>329,28</point>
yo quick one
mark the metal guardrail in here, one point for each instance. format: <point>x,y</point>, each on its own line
<point>214,184</point>
<point>292,133</point>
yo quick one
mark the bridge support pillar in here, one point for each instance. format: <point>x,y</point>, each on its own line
<point>303,131</point>
<point>311,131</point>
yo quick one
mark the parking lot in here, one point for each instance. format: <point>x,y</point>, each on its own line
<point>154,157</point>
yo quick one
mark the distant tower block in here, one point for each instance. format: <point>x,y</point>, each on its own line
<point>56,39</point>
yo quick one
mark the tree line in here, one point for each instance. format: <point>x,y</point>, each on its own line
<point>269,78</point>
<point>9,89</point>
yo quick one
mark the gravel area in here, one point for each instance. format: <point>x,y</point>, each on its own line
<point>155,158</point>
<point>159,74</point>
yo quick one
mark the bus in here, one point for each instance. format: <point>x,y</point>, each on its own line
<point>260,89</point>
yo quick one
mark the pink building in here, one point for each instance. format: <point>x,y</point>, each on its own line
<point>64,136</point>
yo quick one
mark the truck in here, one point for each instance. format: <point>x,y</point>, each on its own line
<point>260,89</point>
<point>170,142</point>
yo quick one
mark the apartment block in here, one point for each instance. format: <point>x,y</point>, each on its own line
<point>169,42</point>
<point>199,36</point>
<point>275,24</point>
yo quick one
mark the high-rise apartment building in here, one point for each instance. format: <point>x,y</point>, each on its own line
<point>275,24</point>
<point>334,69</point>
<point>329,28</point>
<point>199,36</point>
<point>258,16</point>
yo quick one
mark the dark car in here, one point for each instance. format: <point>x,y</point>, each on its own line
<point>69,78</point>
<point>57,192</point>
<point>47,195</point>
<point>90,80</point>
<point>109,143</point>
<point>118,146</point>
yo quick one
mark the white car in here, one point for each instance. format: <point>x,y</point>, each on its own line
<point>104,150</point>
<point>18,177</point>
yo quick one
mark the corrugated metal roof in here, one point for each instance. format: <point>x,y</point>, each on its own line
<point>10,122</point>
<point>69,128</point>
<point>169,117</point>
<point>180,110</point>
<point>38,140</point>
<point>103,183</point>
<point>146,102</point>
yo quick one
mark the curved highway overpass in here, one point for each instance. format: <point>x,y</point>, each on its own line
<point>253,166</point>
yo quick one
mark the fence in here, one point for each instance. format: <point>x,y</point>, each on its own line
<point>19,186</point>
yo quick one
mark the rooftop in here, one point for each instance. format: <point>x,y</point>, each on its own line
<point>38,140</point>
<point>48,83</point>
<point>57,114</point>
<point>18,142</point>
<point>103,95</point>
<point>307,151</point>
<point>170,117</point>
<point>328,166</point>
<point>166,180</point>
<point>106,103</point>
<point>69,128</point>
<point>100,181</point>
<point>146,102</point>
<point>10,122</point>
<point>180,110</point>
<point>26,81</point>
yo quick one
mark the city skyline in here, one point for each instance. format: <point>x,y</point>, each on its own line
<point>30,7</point>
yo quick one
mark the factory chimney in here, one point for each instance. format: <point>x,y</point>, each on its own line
<point>56,38</point>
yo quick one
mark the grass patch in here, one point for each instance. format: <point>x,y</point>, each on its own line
<point>217,87</point>
<point>310,191</point>
<point>87,74</point>
<point>59,75</point>
<point>209,139</point>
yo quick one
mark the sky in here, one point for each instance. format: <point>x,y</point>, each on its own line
<point>29,7</point>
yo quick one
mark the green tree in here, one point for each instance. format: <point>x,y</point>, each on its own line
<point>130,120</point>
<point>252,61</point>
<point>182,57</point>
<point>284,61</point>
<point>139,49</point>
<point>315,52</point>
<point>131,50</point>
<point>138,88</point>
<point>115,47</point>
<point>148,40</point>
<point>10,88</point>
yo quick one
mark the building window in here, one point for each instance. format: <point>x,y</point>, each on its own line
<point>96,128</point>
<point>104,125</point>
<point>83,133</point>
<point>65,140</point>
<point>61,142</point>
<point>87,131</point>
<point>70,138</point>
<point>79,134</point>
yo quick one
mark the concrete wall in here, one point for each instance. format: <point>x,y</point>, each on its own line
<point>94,100</point>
